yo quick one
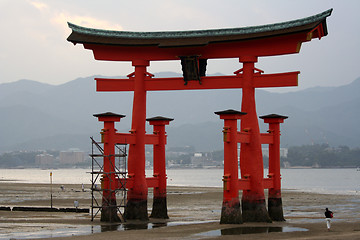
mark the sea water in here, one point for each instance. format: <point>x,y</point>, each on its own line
<point>342,180</point>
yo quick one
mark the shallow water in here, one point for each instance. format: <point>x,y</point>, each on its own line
<point>37,230</point>
<point>249,230</point>
<point>33,231</point>
<point>342,181</point>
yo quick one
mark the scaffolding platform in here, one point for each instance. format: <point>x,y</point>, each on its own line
<point>97,173</point>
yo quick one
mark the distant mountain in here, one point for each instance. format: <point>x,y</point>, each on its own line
<point>42,116</point>
<point>23,86</point>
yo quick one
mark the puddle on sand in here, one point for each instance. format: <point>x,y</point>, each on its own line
<point>126,226</point>
<point>63,230</point>
<point>249,230</point>
<point>140,225</point>
<point>33,231</point>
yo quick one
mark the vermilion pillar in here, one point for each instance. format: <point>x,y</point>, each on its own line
<point>230,211</point>
<point>136,207</point>
<point>108,185</point>
<point>251,161</point>
<point>274,199</point>
<point>159,209</point>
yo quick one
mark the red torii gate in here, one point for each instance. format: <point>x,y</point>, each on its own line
<point>193,48</point>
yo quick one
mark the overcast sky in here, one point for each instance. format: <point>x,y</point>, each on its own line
<point>33,36</point>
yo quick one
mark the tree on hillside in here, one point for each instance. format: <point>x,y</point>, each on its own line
<point>322,155</point>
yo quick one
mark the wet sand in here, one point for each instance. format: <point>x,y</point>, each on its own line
<point>194,214</point>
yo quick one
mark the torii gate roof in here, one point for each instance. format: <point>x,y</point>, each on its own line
<point>169,45</point>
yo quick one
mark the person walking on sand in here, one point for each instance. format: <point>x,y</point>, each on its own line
<point>328,216</point>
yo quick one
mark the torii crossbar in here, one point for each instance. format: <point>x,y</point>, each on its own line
<point>193,49</point>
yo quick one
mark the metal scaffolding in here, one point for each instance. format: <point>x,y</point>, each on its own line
<point>97,173</point>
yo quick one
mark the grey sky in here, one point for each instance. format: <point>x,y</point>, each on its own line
<point>33,36</point>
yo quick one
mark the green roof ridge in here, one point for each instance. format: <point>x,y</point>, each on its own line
<point>201,33</point>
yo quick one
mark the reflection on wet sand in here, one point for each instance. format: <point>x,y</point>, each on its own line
<point>249,230</point>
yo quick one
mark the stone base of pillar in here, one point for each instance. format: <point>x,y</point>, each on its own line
<point>159,209</point>
<point>109,212</point>
<point>255,211</point>
<point>275,209</point>
<point>231,212</point>
<point>136,210</point>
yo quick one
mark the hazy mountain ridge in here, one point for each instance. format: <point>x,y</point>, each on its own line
<point>23,85</point>
<point>35,115</point>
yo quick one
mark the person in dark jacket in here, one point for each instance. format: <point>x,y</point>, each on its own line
<point>328,216</point>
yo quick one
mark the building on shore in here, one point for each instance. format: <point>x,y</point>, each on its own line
<point>44,159</point>
<point>283,152</point>
<point>72,156</point>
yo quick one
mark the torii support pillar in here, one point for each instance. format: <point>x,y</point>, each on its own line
<point>275,208</point>
<point>136,206</point>
<point>109,182</point>
<point>159,209</point>
<point>251,160</point>
<point>230,211</point>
